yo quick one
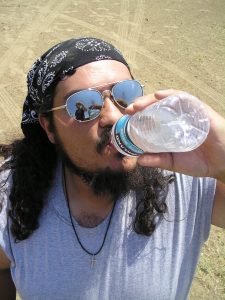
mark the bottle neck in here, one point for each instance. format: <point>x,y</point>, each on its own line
<point>121,140</point>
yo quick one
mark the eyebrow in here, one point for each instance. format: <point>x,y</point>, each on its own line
<point>71,93</point>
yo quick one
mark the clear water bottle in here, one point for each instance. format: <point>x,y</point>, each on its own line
<point>177,123</point>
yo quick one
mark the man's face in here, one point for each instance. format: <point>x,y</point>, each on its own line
<point>88,144</point>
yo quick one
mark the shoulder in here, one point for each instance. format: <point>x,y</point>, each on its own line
<point>191,199</point>
<point>218,216</point>
<point>196,194</point>
<point>198,185</point>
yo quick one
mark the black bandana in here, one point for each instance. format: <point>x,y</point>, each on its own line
<point>57,62</point>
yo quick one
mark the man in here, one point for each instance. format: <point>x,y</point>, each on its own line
<point>86,222</point>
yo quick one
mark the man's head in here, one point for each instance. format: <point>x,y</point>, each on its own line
<point>73,66</point>
<point>88,143</point>
<point>85,147</point>
<point>54,65</point>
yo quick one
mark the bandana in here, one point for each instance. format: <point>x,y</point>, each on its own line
<point>57,62</point>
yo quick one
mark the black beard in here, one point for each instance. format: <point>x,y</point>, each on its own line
<point>107,182</point>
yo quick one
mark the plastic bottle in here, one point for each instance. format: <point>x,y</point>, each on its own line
<point>177,123</point>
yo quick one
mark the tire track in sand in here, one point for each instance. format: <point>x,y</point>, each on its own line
<point>46,15</point>
<point>123,25</point>
<point>133,34</point>
<point>10,108</point>
<point>164,65</point>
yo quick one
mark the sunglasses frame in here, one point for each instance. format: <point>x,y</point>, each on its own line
<point>101,95</point>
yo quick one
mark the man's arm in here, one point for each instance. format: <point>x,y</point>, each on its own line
<point>218,214</point>
<point>7,287</point>
<point>208,160</point>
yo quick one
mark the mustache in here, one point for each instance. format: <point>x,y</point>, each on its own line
<point>104,140</point>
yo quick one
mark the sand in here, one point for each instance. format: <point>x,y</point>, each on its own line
<point>169,44</point>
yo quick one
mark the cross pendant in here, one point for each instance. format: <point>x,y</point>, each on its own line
<point>93,261</point>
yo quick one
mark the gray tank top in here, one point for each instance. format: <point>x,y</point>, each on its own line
<point>51,264</point>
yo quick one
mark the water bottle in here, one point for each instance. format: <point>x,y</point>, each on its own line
<point>177,123</point>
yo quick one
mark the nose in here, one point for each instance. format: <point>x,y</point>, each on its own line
<point>110,113</point>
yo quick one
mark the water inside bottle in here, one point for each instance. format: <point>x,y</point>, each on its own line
<point>175,126</point>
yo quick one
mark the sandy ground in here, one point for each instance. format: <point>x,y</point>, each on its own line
<point>169,44</point>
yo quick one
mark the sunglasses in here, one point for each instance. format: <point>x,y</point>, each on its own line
<point>86,105</point>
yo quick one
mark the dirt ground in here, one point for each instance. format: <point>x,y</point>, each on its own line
<point>169,44</point>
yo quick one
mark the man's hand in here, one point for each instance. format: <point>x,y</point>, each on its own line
<point>208,160</point>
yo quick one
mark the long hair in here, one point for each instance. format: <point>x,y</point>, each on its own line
<point>32,161</point>
<point>151,200</point>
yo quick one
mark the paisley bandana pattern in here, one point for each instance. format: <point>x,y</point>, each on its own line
<point>57,62</point>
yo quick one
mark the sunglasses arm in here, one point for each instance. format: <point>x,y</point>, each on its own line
<point>56,108</point>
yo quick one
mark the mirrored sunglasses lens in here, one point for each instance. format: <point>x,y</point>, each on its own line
<point>126,92</point>
<point>84,105</point>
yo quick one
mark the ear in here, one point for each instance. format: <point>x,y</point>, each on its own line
<point>44,122</point>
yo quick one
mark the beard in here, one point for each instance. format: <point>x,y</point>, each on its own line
<point>106,182</point>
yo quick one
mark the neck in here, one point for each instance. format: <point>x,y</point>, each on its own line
<point>88,209</point>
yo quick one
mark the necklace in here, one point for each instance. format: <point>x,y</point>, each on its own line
<point>93,255</point>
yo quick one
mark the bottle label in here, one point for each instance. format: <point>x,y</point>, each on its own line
<point>122,139</point>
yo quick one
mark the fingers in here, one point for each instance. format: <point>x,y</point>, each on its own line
<point>144,101</point>
<point>140,103</point>
<point>165,93</point>
<point>157,160</point>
